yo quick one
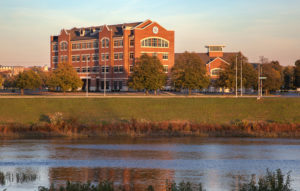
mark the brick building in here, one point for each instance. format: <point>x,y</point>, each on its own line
<point>109,51</point>
<point>215,59</point>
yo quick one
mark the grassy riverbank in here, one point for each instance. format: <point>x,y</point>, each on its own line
<point>227,117</point>
<point>196,110</point>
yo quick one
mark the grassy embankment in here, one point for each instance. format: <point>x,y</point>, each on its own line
<point>271,117</point>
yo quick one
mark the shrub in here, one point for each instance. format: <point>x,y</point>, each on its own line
<point>272,181</point>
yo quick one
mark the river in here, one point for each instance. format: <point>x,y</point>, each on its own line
<point>218,163</point>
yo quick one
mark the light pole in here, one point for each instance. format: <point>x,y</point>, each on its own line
<point>87,80</point>
<point>236,58</point>
<point>241,77</point>
<point>105,74</point>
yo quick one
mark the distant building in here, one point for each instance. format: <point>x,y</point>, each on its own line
<point>111,50</point>
<point>11,70</point>
<point>215,59</point>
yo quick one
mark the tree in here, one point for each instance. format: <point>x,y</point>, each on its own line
<point>1,80</point>
<point>288,76</point>
<point>297,74</point>
<point>27,80</point>
<point>64,77</point>
<point>189,72</point>
<point>9,82</point>
<point>43,76</point>
<point>147,74</point>
<point>227,76</point>
<point>274,79</point>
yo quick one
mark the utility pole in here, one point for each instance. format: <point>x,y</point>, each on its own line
<point>105,74</point>
<point>87,79</point>
<point>236,58</point>
<point>261,82</point>
<point>258,82</point>
<point>241,77</point>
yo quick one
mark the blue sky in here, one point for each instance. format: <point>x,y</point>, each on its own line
<point>258,27</point>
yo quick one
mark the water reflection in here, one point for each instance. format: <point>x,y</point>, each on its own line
<point>220,164</point>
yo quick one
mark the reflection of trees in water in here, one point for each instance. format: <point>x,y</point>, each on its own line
<point>19,176</point>
<point>131,179</point>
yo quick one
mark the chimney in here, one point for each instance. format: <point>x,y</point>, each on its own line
<point>214,51</point>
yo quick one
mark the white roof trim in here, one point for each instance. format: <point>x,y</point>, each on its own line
<point>152,24</point>
<point>220,59</point>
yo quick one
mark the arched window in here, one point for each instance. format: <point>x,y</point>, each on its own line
<point>64,45</point>
<point>216,71</point>
<point>155,42</point>
<point>105,42</point>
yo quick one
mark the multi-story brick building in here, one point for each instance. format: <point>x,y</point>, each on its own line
<point>109,51</point>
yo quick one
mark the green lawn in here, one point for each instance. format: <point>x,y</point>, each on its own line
<point>200,110</point>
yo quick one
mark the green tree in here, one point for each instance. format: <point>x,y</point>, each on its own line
<point>227,76</point>
<point>288,74</point>
<point>189,72</point>
<point>297,74</point>
<point>273,72</point>
<point>64,77</point>
<point>147,74</point>
<point>27,80</point>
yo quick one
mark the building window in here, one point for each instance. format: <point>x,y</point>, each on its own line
<point>165,56</point>
<point>103,69</point>
<point>131,55</point>
<point>96,45</point>
<point>216,71</point>
<point>83,45</point>
<point>63,46</point>
<point>74,46</point>
<point>115,43</point>
<point>118,43</point>
<point>95,69</point>
<point>103,56</point>
<point>107,85</point>
<point>118,69</point>
<point>131,42</point>
<point>155,42</point>
<point>54,59</point>
<point>77,70</point>
<point>73,58</point>
<point>83,58</point>
<point>95,57</point>
<point>83,70</point>
<point>78,58</point>
<point>120,56</point>
<point>131,68</point>
<point>105,43</point>
<point>121,69</point>
<point>89,45</point>
<point>116,56</point>
<point>64,58</point>
<point>166,68</point>
<point>54,47</point>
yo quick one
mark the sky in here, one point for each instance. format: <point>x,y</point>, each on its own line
<point>269,28</point>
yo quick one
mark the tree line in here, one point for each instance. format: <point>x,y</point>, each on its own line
<point>189,73</point>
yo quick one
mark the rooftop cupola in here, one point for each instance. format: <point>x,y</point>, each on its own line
<point>215,50</point>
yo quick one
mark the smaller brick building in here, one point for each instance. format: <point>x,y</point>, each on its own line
<point>215,59</point>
